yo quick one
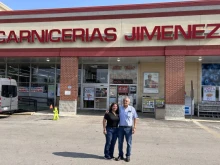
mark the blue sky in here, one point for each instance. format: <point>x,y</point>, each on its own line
<point>41,4</point>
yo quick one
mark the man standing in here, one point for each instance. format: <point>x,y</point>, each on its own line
<point>127,127</point>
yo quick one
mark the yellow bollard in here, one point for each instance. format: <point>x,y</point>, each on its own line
<point>56,115</point>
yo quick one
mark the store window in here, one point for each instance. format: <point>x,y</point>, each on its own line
<point>2,70</point>
<point>123,74</point>
<point>95,73</point>
<point>210,82</point>
<point>43,73</point>
<point>58,73</point>
<point>123,80</point>
<point>24,73</point>
<point>13,71</point>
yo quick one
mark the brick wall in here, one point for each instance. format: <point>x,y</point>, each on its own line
<point>175,80</point>
<point>69,77</point>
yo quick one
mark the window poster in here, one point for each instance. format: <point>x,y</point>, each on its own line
<point>151,81</point>
<point>89,93</point>
<point>209,93</point>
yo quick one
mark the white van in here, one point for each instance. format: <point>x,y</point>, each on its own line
<point>8,95</point>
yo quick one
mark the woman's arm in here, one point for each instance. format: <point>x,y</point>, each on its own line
<point>104,126</point>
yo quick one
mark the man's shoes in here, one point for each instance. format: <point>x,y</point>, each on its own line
<point>127,159</point>
<point>119,158</point>
<point>107,157</point>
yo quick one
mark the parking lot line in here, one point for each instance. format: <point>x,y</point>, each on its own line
<point>214,133</point>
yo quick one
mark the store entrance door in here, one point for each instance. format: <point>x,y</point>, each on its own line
<point>95,97</point>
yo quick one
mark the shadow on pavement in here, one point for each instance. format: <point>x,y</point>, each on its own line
<point>4,116</point>
<point>77,155</point>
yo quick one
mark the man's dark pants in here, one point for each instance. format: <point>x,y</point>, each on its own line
<point>127,133</point>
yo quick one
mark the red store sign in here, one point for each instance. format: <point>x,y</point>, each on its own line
<point>122,89</point>
<point>138,33</point>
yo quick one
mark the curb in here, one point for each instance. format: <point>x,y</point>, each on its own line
<point>24,113</point>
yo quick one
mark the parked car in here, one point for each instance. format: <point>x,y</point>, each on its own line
<point>8,95</point>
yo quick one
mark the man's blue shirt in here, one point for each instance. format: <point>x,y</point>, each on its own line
<point>127,115</point>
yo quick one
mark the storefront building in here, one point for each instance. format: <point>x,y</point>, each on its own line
<point>87,58</point>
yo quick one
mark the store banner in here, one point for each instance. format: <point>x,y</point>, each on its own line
<point>151,81</point>
<point>58,89</point>
<point>89,93</point>
<point>122,89</point>
<point>37,89</point>
<point>209,93</point>
<point>51,91</point>
<point>23,89</point>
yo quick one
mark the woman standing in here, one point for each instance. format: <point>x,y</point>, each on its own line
<point>110,130</point>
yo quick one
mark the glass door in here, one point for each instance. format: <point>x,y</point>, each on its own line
<point>95,97</point>
<point>101,95</point>
<point>88,97</point>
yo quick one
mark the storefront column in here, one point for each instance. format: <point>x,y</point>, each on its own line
<point>68,86</point>
<point>175,87</point>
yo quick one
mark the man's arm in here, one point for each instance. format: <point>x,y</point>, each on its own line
<point>135,123</point>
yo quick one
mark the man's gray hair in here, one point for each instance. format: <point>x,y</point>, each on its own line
<point>127,98</point>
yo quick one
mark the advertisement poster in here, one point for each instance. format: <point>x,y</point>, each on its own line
<point>209,93</point>
<point>58,90</point>
<point>50,91</point>
<point>89,93</point>
<point>151,81</point>
<point>113,91</point>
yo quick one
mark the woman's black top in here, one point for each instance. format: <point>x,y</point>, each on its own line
<point>112,120</point>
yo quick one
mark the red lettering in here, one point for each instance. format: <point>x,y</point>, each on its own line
<point>54,37</point>
<point>129,67</point>
<point>87,35</point>
<point>156,30</point>
<point>2,40</point>
<point>116,67</point>
<point>110,36</point>
<point>79,33</point>
<point>12,37</point>
<point>66,35</point>
<point>25,34</point>
<point>132,37</point>
<point>138,33</point>
<point>35,34</point>
<point>46,35</point>
<point>196,31</point>
<point>179,28</point>
<point>211,34</point>
<point>96,34</point>
<point>166,34</point>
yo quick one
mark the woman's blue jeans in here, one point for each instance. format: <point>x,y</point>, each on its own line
<point>111,138</point>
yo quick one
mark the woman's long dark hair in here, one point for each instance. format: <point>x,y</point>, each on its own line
<point>110,108</point>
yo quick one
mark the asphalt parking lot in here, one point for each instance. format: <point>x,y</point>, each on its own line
<point>38,140</point>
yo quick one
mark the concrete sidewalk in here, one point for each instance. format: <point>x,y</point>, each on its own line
<point>38,140</point>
